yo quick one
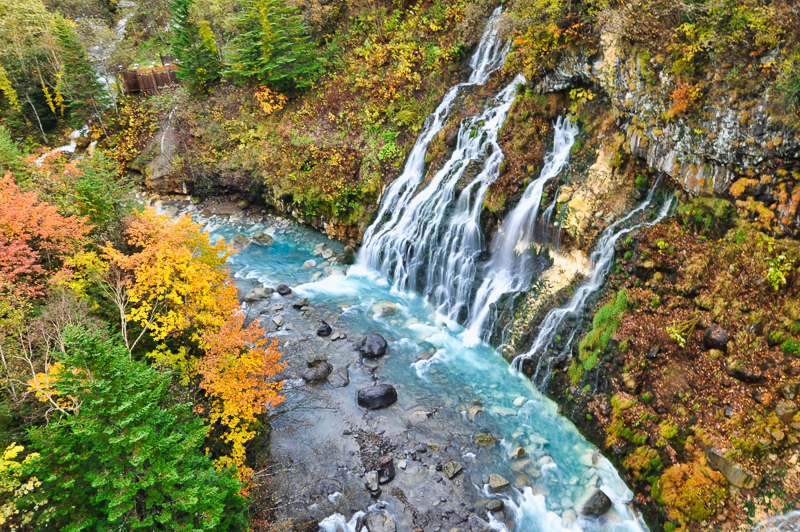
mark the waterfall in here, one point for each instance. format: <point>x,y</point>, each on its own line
<point>602,258</point>
<point>408,225</point>
<point>510,269</point>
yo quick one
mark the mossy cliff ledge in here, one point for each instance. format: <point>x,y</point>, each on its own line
<point>712,137</point>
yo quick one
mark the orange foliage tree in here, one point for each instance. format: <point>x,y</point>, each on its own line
<point>176,289</point>
<point>35,240</point>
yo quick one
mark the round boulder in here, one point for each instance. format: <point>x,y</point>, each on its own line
<point>262,239</point>
<point>283,290</point>
<point>318,373</point>
<point>372,346</point>
<point>715,337</point>
<point>240,241</point>
<point>324,330</point>
<point>375,397</point>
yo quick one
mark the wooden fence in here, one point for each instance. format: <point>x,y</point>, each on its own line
<point>148,80</point>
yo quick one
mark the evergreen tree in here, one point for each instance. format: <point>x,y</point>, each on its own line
<point>273,46</point>
<point>9,154</point>
<point>84,95</point>
<point>125,457</point>
<point>195,47</point>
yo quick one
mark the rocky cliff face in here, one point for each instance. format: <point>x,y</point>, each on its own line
<point>723,144</point>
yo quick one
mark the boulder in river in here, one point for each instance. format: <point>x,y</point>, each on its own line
<point>375,397</point>
<point>339,378</point>
<point>277,320</point>
<point>372,346</point>
<point>310,263</point>
<point>318,373</point>
<point>327,253</point>
<point>386,469</point>
<point>715,337</point>
<point>300,303</point>
<point>262,239</point>
<point>313,360</point>
<point>258,293</point>
<point>240,241</point>
<point>324,330</point>
<point>451,469</point>
<point>497,483</point>
<point>283,290</point>
<point>594,503</point>
<point>381,522</point>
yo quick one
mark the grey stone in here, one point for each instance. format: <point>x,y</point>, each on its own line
<point>495,505</point>
<point>594,503</point>
<point>262,239</point>
<point>732,471</point>
<point>418,416</point>
<point>277,320</point>
<point>258,293</point>
<point>451,469</point>
<point>789,391</point>
<point>372,482</point>
<point>310,263</point>
<point>171,211</point>
<point>339,377</point>
<point>300,303</point>
<point>381,522</point>
<point>324,330</point>
<point>375,397</point>
<point>318,373</point>
<point>313,360</point>
<point>327,253</point>
<point>786,411</point>
<point>498,483</point>
<point>240,241</point>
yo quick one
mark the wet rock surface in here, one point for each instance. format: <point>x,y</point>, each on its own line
<point>374,397</point>
<point>372,346</point>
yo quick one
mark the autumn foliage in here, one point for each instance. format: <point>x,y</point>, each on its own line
<point>35,240</point>
<point>179,293</point>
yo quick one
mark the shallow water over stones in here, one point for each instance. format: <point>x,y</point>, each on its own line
<point>461,415</point>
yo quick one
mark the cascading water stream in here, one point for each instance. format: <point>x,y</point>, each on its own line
<point>509,269</point>
<point>602,258</point>
<point>488,57</point>
<point>431,249</point>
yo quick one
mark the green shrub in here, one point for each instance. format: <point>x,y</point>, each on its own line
<point>604,325</point>
<point>708,216</point>
<point>790,347</point>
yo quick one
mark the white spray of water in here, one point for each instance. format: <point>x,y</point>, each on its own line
<point>509,269</point>
<point>602,258</point>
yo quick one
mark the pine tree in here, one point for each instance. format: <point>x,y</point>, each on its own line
<point>195,48</point>
<point>273,46</point>
<point>85,96</point>
<point>125,457</point>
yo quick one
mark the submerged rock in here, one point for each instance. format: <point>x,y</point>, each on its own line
<point>384,308</point>
<point>375,397</point>
<point>318,373</point>
<point>372,346</point>
<point>240,241</point>
<point>495,505</point>
<point>310,263</point>
<point>594,503</point>
<point>262,239</point>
